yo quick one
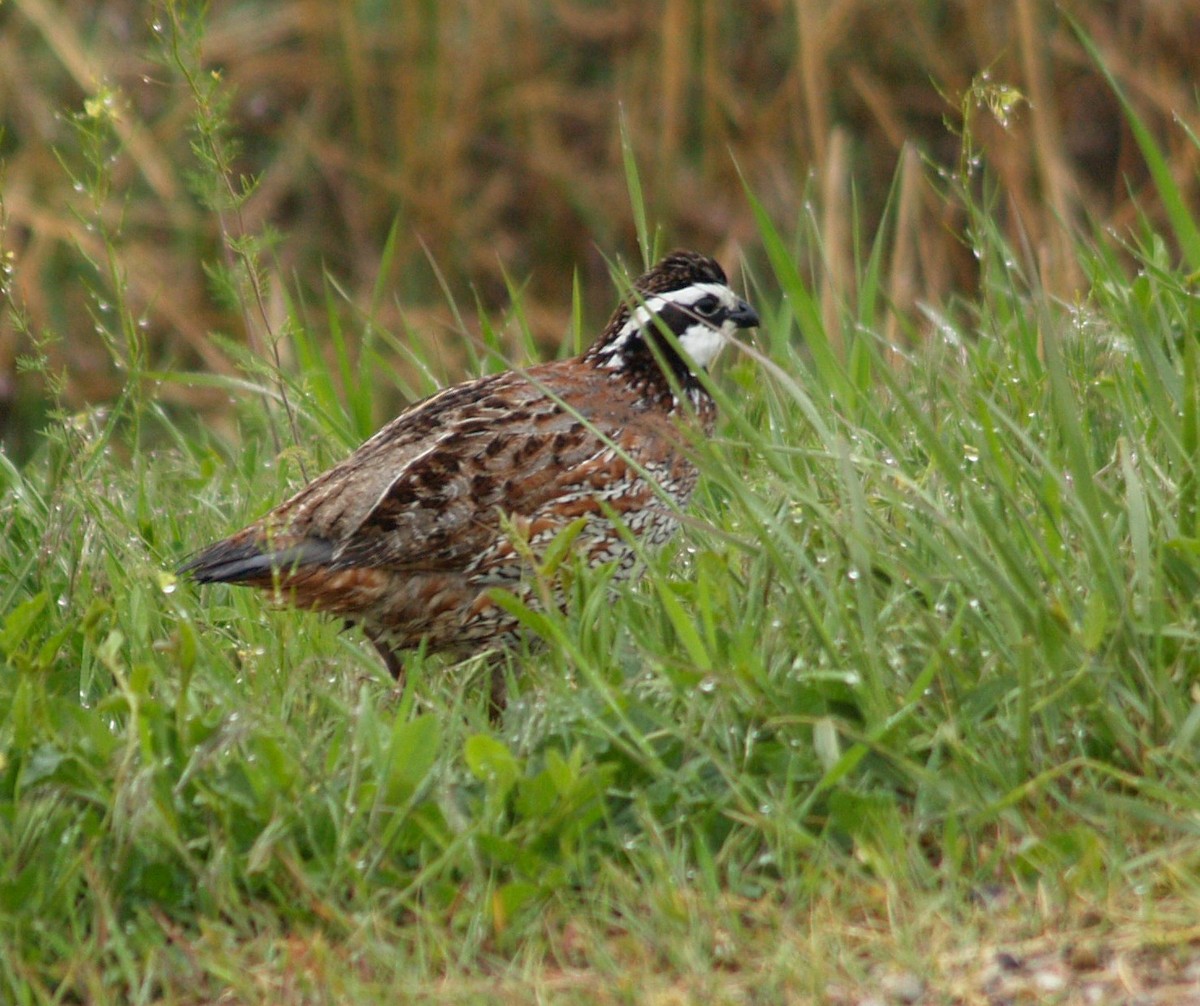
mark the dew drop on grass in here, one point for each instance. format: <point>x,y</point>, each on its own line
<point>708,685</point>
<point>853,574</point>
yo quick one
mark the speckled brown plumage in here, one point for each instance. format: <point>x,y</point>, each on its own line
<point>407,536</point>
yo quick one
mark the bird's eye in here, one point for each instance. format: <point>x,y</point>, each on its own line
<point>707,306</point>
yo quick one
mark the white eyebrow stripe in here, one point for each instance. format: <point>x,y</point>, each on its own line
<point>686,297</point>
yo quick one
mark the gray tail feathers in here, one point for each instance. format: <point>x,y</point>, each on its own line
<point>240,560</point>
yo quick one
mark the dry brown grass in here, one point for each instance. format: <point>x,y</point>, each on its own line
<point>489,130</point>
<point>854,946</point>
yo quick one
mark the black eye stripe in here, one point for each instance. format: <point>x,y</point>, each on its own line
<point>676,317</point>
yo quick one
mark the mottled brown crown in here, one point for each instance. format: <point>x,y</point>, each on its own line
<point>680,269</point>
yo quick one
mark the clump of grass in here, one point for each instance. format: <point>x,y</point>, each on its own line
<point>930,636</point>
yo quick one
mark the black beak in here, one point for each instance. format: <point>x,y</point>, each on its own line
<point>744,316</point>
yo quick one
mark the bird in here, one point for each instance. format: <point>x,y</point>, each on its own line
<point>409,536</point>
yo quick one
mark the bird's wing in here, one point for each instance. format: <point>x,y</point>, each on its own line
<point>427,492</point>
<point>517,453</point>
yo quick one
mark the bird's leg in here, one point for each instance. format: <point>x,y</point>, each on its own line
<point>498,695</point>
<point>391,659</point>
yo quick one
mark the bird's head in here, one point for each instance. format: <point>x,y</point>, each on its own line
<point>686,293</point>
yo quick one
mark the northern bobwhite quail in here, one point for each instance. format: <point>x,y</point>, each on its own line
<point>408,535</point>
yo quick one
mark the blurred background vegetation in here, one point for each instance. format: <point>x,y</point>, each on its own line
<point>487,133</point>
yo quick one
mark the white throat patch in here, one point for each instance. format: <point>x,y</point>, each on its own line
<point>703,342</point>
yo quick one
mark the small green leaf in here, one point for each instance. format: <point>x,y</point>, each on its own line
<point>414,749</point>
<point>21,620</point>
<point>825,742</point>
<point>510,899</point>
<point>684,627</point>
<point>560,546</point>
<point>491,761</point>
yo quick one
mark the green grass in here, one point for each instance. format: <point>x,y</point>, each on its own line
<point>931,633</point>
